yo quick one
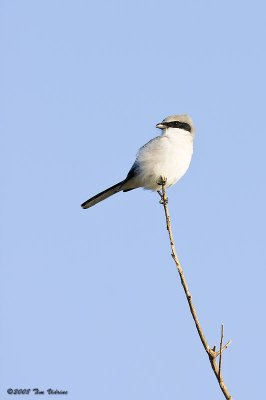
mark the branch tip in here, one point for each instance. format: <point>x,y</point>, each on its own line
<point>220,357</point>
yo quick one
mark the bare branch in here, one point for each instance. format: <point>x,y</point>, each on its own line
<point>227,345</point>
<point>212,353</point>
<point>217,353</point>
<point>221,346</point>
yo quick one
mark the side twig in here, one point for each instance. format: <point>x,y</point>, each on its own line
<point>212,353</point>
<point>221,346</point>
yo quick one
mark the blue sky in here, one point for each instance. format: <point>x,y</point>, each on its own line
<point>90,300</point>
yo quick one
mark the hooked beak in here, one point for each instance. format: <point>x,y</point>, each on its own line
<point>160,125</point>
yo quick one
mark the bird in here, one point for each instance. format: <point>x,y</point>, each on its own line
<point>167,156</point>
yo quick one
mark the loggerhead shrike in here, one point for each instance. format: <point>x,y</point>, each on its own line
<point>166,156</point>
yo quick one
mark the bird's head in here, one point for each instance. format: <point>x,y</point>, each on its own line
<point>182,121</point>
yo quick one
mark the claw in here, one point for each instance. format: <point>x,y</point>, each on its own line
<point>162,194</point>
<point>162,181</point>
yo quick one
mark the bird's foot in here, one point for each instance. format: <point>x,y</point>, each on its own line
<point>162,181</point>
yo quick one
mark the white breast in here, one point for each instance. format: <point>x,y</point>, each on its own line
<point>168,155</point>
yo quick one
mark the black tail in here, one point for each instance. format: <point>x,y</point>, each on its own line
<point>103,195</point>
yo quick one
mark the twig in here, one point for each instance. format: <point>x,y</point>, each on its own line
<point>212,353</point>
<point>221,347</point>
<point>227,345</point>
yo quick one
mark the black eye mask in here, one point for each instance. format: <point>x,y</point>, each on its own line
<point>178,124</point>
